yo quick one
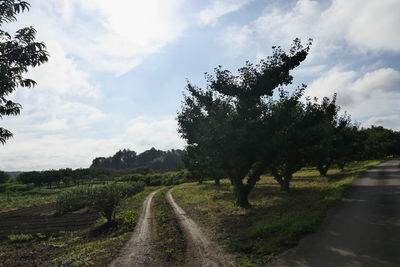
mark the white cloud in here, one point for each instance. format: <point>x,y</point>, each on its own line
<point>27,152</point>
<point>373,94</point>
<point>362,25</point>
<point>125,32</point>
<point>62,76</point>
<point>390,121</point>
<point>219,8</point>
<point>111,36</point>
<point>146,132</point>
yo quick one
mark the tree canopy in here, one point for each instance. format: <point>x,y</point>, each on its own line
<point>227,119</point>
<point>155,159</point>
<point>18,53</point>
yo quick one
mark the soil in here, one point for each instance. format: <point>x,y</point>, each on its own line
<point>138,251</point>
<point>200,250</point>
<point>40,220</point>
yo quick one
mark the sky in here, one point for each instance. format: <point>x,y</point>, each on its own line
<point>118,68</point>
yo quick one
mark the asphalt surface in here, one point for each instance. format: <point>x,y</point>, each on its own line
<point>362,230</point>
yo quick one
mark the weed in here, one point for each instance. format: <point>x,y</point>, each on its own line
<point>20,237</point>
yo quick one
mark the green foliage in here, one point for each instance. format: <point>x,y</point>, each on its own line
<point>156,179</point>
<point>104,199</point>
<point>15,187</point>
<point>154,159</point>
<point>170,241</point>
<point>225,122</point>
<point>20,237</point>
<point>18,53</point>
<point>129,218</point>
<point>74,199</point>
<point>4,177</point>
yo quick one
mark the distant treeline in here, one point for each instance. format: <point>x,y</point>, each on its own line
<point>90,176</point>
<point>155,159</point>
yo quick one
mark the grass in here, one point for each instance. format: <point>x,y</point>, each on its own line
<point>170,242</point>
<point>96,246</point>
<point>276,221</point>
<point>24,199</point>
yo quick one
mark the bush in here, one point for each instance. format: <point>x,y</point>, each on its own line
<point>15,187</point>
<point>74,199</point>
<point>107,199</point>
<point>132,178</point>
<point>104,199</point>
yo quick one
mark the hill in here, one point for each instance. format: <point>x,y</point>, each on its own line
<point>158,160</point>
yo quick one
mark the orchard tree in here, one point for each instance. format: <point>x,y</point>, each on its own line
<point>348,144</point>
<point>18,53</point>
<point>325,120</point>
<point>289,137</point>
<point>226,119</point>
<point>202,165</point>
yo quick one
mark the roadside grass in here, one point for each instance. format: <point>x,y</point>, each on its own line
<point>95,246</point>
<point>277,220</point>
<point>170,243</point>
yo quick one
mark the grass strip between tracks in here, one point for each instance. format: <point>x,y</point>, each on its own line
<point>170,243</point>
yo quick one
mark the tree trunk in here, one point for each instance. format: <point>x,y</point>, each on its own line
<point>323,169</point>
<point>241,192</point>
<point>284,181</point>
<point>341,165</point>
<point>242,197</point>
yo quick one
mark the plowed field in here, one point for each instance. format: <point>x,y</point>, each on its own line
<point>37,220</point>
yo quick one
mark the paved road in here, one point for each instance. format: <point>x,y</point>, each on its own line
<point>363,230</point>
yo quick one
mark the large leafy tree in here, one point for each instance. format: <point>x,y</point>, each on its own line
<point>323,130</point>
<point>226,119</point>
<point>18,53</point>
<point>301,132</point>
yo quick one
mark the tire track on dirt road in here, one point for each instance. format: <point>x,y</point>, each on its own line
<point>138,250</point>
<point>201,251</point>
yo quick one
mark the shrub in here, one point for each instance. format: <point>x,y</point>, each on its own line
<point>20,237</point>
<point>104,199</point>
<point>74,199</point>
<point>15,187</point>
<point>107,199</point>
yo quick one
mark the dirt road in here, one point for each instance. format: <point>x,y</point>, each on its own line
<point>363,230</point>
<point>138,250</point>
<point>201,251</point>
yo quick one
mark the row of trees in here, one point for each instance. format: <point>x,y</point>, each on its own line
<point>155,159</point>
<point>66,177</point>
<point>241,126</point>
